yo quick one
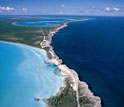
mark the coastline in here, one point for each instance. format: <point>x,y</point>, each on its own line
<point>69,72</point>
<point>45,47</point>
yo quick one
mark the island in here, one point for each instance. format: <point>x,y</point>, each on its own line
<point>74,93</point>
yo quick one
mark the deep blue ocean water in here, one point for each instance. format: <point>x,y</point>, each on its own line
<point>95,49</point>
<point>25,75</point>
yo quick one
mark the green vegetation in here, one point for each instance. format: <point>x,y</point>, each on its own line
<point>48,53</point>
<point>67,98</point>
<point>84,101</point>
<point>20,34</point>
<point>34,36</point>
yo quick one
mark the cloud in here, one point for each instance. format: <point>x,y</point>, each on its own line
<point>2,8</point>
<point>107,8</point>
<point>112,9</point>
<point>116,9</point>
<point>24,9</point>
<point>62,5</point>
<point>9,8</point>
<point>6,8</point>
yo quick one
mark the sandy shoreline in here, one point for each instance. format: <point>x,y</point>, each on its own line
<point>69,72</point>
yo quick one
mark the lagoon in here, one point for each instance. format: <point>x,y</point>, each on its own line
<point>25,75</point>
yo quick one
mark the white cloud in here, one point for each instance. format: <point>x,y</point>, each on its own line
<point>9,8</point>
<point>62,5</point>
<point>2,8</point>
<point>116,9</point>
<point>24,9</point>
<point>6,8</point>
<point>107,8</point>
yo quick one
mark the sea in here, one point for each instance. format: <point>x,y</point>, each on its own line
<point>95,50</point>
<point>46,21</point>
<point>26,75</point>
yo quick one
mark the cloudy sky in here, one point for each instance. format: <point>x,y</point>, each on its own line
<point>72,7</point>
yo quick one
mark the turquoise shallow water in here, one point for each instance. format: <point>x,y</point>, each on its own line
<point>24,75</point>
<point>47,22</point>
<point>95,49</point>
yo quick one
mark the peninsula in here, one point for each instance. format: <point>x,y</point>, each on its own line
<point>75,93</point>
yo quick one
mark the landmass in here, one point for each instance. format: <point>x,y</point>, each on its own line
<point>75,93</point>
<point>20,34</point>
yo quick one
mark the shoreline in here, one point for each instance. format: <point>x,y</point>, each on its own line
<point>69,72</point>
<point>73,76</point>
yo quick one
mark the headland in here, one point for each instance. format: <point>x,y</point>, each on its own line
<point>75,93</point>
<point>79,89</point>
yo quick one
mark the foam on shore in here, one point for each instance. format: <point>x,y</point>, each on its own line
<point>31,76</point>
<point>69,72</point>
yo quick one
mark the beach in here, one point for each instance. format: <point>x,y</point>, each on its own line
<point>69,72</point>
<point>26,77</point>
<point>77,90</point>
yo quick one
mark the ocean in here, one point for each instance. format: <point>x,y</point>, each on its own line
<point>46,21</point>
<point>95,50</point>
<point>25,75</point>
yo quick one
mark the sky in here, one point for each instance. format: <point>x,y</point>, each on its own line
<point>62,7</point>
